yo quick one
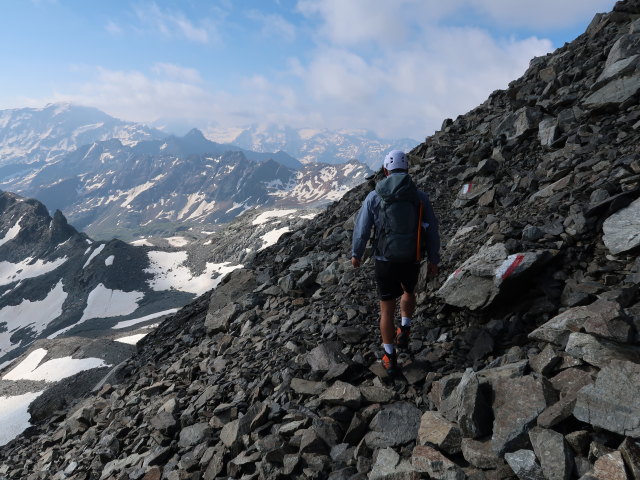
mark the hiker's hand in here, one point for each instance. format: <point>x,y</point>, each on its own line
<point>432,270</point>
<point>355,262</point>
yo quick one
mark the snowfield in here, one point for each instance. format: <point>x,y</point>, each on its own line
<point>13,272</point>
<point>11,233</point>
<point>265,216</point>
<point>271,238</point>
<point>134,321</point>
<point>105,303</point>
<point>14,416</point>
<point>52,370</point>
<point>170,273</point>
<point>35,315</point>
<point>131,339</point>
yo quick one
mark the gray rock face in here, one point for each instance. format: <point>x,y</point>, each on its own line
<point>438,431</point>
<point>430,461</point>
<point>394,425</point>
<point>599,352</point>
<point>612,402</point>
<point>524,465</point>
<point>478,280</point>
<point>622,229</point>
<point>597,317</point>
<point>614,92</point>
<point>516,407</point>
<point>556,458</point>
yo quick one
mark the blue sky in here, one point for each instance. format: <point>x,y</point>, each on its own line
<point>397,67</point>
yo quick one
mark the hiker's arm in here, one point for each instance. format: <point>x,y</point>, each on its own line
<point>362,229</point>
<point>432,232</point>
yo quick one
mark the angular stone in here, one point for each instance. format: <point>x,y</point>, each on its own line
<point>600,352</point>
<point>614,92</point>
<point>610,467</point>
<point>556,458</point>
<point>438,431</point>
<point>311,442</point>
<point>491,376</point>
<point>430,461</point>
<point>328,429</point>
<point>218,320</point>
<point>558,329</point>
<point>194,434</point>
<point>546,361</point>
<point>477,282</point>
<point>388,464</point>
<point>516,407</point>
<point>552,189</point>
<point>341,393</point>
<point>307,387</point>
<point>480,454</point>
<point>556,413</point>
<point>630,451</point>
<point>394,425</point>
<point>570,381</point>
<point>375,394</point>
<point>324,356</point>
<point>612,402</point>
<point>232,432</point>
<point>524,465</point>
<point>548,131</point>
<point>622,229</point>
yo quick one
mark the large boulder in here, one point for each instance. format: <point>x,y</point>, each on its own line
<point>622,229</point>
<point>612,402</point>
<point>477,282</point>
<point>602,318</point>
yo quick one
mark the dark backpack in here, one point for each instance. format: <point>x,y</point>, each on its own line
<point>399,219</point>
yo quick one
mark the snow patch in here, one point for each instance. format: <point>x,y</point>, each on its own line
<point>35,315</point>
<point>14,416</point>
<point>134,321</point>
<point>109,260</point>
<point>105,303</point>
<point>177,241</point>
<point>12,272</point>
<point>132,339</point>
<point>12,232</point>
<point>170,273</point>
<point>265,216</point>
<point>94,254</point>
<point>52,370</point>
<point>142,242</point>
<point>270,238</point>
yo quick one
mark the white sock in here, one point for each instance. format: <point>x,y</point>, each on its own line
<point>388,348</point>
<point>406,322</point>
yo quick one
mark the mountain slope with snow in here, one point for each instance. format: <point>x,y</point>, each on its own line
<point>314,145</point>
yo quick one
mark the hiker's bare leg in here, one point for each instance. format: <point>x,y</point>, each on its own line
<point>407,304</point>
<point>387,326</point>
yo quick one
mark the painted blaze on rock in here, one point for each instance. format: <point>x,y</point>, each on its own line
<point>477,282</point>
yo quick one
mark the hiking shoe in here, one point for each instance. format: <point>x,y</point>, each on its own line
<point>390,363</point>
<point>402,337</point>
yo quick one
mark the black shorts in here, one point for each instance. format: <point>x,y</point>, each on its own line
<point>393,279</point>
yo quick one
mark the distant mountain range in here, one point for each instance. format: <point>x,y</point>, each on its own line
<point>314,145</point>
<point>114,178</point>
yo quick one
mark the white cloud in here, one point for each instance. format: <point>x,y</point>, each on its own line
<point>113,28</point>
<point>176,72</point>
<point>273,25</point>
<point>541,14</point>
<point>173,23</point>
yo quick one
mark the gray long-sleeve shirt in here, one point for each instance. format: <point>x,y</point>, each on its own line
<point>368,217</point>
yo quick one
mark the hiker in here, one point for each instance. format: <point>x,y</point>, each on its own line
<point>405,224</point>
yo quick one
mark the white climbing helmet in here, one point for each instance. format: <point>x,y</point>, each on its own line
<point>396,159</point>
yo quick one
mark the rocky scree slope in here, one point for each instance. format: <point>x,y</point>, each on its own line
<point>524,354</point>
